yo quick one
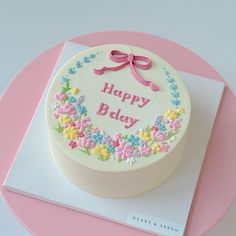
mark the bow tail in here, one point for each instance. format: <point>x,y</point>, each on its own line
<point>115,68</point>
<point>142,81</point>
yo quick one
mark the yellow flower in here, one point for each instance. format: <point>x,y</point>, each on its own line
<point>100,150</point>
<point>172,115</point>
<point>70,132</point>
<point>181,110</point>
<point>145,136</point>
<point>75,91</point>
<point>64,119</point>
<point>156,147</point>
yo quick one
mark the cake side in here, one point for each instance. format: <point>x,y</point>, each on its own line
<point>119,184</point>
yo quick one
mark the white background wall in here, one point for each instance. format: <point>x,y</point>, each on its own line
<point>207,27</point>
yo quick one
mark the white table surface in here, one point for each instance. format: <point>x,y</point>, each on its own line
<point>207,27</point>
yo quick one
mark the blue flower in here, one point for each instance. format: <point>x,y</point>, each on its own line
<point>110,148</point>
<point>175,93</point>
<point>64,79</point>
<point>71,99</point>
<point>161,127</point>
<point>166,71</point>
<point>92,56</point>
<point>175,102</point>
<point>97,138</point>
<point>173,86</point>
<point>78,64</point>
<point>86,59</point>
<point>81,109</point>
<point>71,71</point>
<point>133,140</point>
<point>170,79</point>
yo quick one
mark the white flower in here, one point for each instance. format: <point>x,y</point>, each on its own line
<point>130,160</point>
<point>172,139</point>
<point>55,105</point>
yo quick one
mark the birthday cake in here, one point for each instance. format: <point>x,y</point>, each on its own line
<point>118,118</point>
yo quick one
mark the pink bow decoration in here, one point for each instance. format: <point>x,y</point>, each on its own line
<point>133,61</point>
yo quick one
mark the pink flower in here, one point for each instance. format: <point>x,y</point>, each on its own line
<point>174,124</point>
<point>164,147</point>
<point>60,96</point>
<point>81,124</point>
<point>123,150</point>
<point>68,108</point>
<point>81,134</point>
<point>118,136</point>
<point>86,142</point>
<point>115,143</point>
<point>153,128</point>
<point>159,136</point>
<point>72,144</point>
<point>145,150</point>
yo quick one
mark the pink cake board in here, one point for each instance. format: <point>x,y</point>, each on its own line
<point>217,175</point>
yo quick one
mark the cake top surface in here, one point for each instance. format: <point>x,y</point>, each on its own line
<point>117,107</point>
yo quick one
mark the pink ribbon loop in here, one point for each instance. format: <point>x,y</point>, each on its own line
<point>141,62</point>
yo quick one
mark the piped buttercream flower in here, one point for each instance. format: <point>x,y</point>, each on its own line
<point>80,100</point>
<point>75,91</point>
<point>82,123</point>
<point>159,136</point>
<point>164,147</point>
<point>155,148</point>
<point>86,142</point>
<point>64,79</point>
<point>101,151</point>
<point>70,132</point>
<point>171,115</point>
<point>97,137</point>
<point>81,109</point>
<point>60,96</point>
<point>133,140</point>
<point>174,124</point>
<point>118,136</point>
<point>124,150</point>
<point>64,119</point>
<point>72,144</point>
<point>71,99</point>
<point>110,148</point>
<point>145,150</point>
<point>181,110</point>
<point>68,108</point>
<point>130,160</point>
<point>158,120</point>
<point>55,105</point>
<point>146,136</point>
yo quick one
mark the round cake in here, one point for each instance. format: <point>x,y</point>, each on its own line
<point>118,118</point>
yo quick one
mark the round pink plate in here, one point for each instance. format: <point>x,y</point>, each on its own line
<point>216,186</point>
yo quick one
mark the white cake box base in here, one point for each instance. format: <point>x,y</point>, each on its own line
<point>163,211</point>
